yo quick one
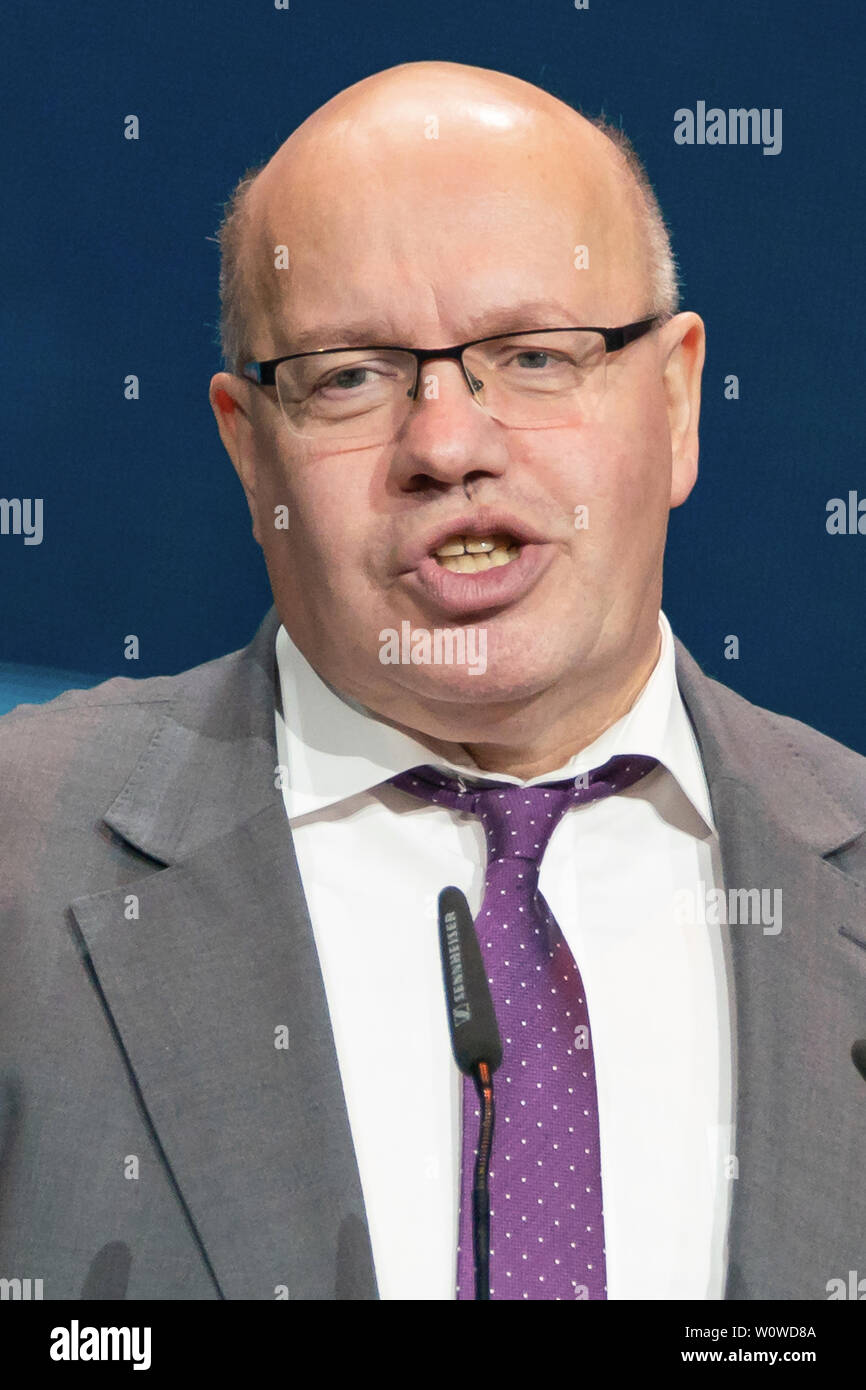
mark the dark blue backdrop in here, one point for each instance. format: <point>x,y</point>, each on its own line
<point>108,269</point>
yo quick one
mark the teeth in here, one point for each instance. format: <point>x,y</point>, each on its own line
<point>469,554</point>
<point>463,564</point>
<point>471,563</point>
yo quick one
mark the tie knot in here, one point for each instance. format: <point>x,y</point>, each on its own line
<point>519,821</point>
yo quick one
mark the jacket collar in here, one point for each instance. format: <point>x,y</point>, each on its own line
<point>209,767</point>
<point>211,764</point>
<point>742,743</point>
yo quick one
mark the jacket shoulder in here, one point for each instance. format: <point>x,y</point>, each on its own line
<point>807,741</point>
<point>756,738</point>
<point>117,693</point>
<point>79,748</point>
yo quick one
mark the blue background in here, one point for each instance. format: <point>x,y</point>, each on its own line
<point>109,268</point>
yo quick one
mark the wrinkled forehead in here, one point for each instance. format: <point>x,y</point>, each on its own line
<point>430,216</point>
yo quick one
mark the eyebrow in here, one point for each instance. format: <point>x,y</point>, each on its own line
<point>373,332</point>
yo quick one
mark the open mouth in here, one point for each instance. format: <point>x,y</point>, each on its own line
<point>469,554</point>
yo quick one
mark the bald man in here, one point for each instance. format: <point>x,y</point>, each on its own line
<point>461,403</point>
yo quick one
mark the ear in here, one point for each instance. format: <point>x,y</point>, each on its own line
<point>231,401</point>
<point>684,346</point>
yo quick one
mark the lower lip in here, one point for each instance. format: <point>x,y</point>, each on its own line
<point>461,594</point>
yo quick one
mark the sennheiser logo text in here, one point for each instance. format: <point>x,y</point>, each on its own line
<point>443,646</point>
<point>736,126</point>
<point>460,1011</point>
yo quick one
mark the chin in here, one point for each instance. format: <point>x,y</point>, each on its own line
<point>504,657</point>
<point>473,686</point>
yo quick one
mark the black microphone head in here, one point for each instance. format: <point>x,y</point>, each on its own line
<point>471,1018</point>
<point>858,1056</point>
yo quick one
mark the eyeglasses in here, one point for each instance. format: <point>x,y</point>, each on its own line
<point>534,380</point>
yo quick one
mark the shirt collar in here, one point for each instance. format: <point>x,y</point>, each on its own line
<point>333,748</point>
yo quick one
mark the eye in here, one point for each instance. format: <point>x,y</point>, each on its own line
<point>534,358</point>
<point>354,378</point>
<point>346,379</point>
<point>535,361</point>
<point>527,358</point>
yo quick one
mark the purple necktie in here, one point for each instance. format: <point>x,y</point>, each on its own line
<point>546,1225</point>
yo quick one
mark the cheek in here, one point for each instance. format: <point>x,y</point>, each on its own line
<point>633,445</point>
<point>323,549</point>
<point>616,468</point>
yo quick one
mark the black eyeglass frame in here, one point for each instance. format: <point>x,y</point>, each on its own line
<point>264,373</point>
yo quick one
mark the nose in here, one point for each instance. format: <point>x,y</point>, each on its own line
<point>446,439</point>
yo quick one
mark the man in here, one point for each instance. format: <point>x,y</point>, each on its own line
<point>461,403</point>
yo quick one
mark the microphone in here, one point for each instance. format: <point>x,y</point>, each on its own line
<point>477,1049</point>
<point>474,1031</point>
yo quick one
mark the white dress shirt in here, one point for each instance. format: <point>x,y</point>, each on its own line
<point>373,860</point>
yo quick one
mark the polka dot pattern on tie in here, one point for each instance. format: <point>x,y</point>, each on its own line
<point>546,1213</point>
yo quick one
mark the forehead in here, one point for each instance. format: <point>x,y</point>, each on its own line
<point>432,232</point>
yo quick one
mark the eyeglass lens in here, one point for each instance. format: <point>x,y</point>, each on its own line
<point>531,380</point>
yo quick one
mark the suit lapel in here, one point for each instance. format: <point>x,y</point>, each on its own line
<point>215,991</point>
<point>798,1208</point>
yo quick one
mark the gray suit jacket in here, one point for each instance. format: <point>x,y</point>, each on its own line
<point>154,1143</point>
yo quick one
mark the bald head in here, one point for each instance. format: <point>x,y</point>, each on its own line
<point>388,170</point>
